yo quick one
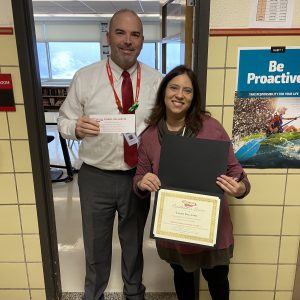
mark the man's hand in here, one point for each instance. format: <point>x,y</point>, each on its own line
<point>86,126</point>
<point>231,186</point>
<point>150,182</point>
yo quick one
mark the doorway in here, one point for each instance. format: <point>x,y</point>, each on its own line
<point>58,202</point>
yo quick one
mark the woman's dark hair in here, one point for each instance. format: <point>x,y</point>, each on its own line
<point>194,115</point>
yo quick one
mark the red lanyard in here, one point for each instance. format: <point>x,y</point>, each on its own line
<point>138,85</point>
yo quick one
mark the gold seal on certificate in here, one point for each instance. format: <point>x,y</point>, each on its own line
<point>186,217</point>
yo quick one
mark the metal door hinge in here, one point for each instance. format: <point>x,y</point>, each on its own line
<point>191,2</point>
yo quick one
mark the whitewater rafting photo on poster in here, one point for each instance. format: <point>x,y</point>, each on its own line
<point>266,119</point>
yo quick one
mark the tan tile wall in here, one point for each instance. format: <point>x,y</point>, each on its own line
<point>267,222</point>
<point>21,269</point>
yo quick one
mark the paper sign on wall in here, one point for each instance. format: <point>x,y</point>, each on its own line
<point>7,102</point>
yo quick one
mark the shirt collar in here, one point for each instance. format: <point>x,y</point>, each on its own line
<point>117,71</point>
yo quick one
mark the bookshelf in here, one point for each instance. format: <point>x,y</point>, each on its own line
<point>53,97</point>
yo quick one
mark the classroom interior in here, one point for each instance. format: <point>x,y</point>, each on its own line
<point>266,223</point>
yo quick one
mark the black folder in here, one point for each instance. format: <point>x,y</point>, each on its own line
<point>191,165</point>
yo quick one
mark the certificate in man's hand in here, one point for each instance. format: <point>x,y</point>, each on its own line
<point>122,123</point>
<point>186,217</point>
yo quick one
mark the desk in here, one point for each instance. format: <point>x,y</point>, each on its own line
<point>51,119</point>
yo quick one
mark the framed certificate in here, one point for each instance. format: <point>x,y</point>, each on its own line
<point>187,208</point>
<point>186,217</point>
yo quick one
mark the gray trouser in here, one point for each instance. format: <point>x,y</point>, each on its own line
<point>102,193</point>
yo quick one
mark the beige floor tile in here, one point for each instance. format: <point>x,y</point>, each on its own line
<point>13,276</point>
<point>262,196</point>
<point>29,219</point>
<point>291,220</point>
<point>256,249</point>
<point>286,277</point>
<point>230,86</point>
<point>294,171</point>
<point>256,220</point>
<point>227,119</point>
<point>284,296</point>
<point>32,248</point>
<point>11,249</point>
<point>216,52</point>
<point>251,295</point>
<point>14,294</point>
<point>17,123</point>
<point>216,112</point>
<point>6,157</point>
<point>9,219</point>
<point>266,171</point>
<point>38,295</point>
<point>4,134</point>
<point>204,295</point>
<point>35,275</point>
<point>289,249</point>
<point>25,188</point>
<point>8,189</point>
<point>292,190</point>
<point>252,277</point>
<point>21,155</point>
<point>8,54</point>
<point>248,277</point>
<point>215,86</point>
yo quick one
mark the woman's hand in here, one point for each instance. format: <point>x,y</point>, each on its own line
<point>150,182</point>
<point>231,186</point>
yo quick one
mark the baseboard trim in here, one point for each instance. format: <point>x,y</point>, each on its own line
<point>120,296</point>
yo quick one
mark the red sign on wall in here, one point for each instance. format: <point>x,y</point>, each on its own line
<point>7,102</point>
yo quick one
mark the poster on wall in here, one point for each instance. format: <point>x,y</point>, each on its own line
<point>266,120</point>
<point>7,101</point>
<point>271,13</point>
<point>104,44</point>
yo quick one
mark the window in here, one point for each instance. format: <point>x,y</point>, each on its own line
<point>60,60</point>
<point>173,55</point>
<point>68,57</point>
<point>148,54</point>
<point>43,61</point>
<point>65,58</point>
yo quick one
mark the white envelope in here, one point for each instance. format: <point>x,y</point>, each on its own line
<point>121,123</point>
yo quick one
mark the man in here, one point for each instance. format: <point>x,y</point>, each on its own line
<point>109,159</point>
<point>275,125</point>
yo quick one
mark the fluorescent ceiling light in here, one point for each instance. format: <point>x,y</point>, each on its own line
<point>113,0</point>
<point>93,15</point>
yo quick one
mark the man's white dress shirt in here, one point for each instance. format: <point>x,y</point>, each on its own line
<point>90,93</point>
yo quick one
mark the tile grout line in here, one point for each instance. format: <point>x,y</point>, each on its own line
<point>19,209</point>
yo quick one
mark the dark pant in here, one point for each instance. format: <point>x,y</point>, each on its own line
<point>217,279</point>
<point>102,194</point>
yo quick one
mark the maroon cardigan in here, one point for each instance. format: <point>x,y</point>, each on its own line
<point>148,161</point>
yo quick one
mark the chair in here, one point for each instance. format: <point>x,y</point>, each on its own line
<point>54,173</point>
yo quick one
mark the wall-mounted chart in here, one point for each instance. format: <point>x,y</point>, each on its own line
<point>271,13</point>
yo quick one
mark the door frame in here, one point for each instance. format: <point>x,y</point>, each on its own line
<point>200,45</point>
<point>37,136</point>
<point>32,94</point>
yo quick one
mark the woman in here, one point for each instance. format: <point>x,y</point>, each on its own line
<point>178,111</point>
